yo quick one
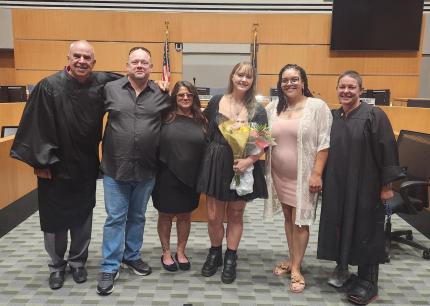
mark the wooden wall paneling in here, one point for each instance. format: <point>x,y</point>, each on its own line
<point>324,86</point>
<point>110,56</point>
<point>132,26</point>
<point>93,25</point>
<point>217,27</point>
<point>408,118</point>
<point>10,113</point>
<point>26,77</point>
<point>7,68</point>
<point>294,28</point>
<point>17,178</point>
<point>405,118</point>
<point>34,76</point>
<point>318,59</point>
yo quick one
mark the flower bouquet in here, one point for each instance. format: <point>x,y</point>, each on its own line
<point>245,140</point>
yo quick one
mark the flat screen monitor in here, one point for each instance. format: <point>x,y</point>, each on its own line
<point>419,103</point>
<point>273,92</point>
<point>203,91</point>
<point>16,93</point>
<point>4,95</point>
<point>376,96</point>
<point>376,25</point>
<point>8,130</point>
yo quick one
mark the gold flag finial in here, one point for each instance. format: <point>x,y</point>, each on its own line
<point>167,27</point>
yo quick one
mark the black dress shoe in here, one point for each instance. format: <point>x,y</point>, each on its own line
<point>363,293</point>
<point>349,284</point>
<point>171,268</point>
<point>229,272</point>
<point>184,266</point>
<point>56,280</point>
<point>79,274</point>
<point>213,261</point>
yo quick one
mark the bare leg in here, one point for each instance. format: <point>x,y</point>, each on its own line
<point>183,226</point>
<point>300,238</point>
<point>164,227</point>
<point>284,267</point>
<point>235,212</point>
<point>215,210</point>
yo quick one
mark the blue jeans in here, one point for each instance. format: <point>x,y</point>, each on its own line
<point>125,204</point>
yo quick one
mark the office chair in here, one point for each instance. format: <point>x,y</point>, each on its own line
<point>411,195</point>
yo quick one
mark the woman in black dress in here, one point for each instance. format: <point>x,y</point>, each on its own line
<point>182,145</point>
<point>238,106</point>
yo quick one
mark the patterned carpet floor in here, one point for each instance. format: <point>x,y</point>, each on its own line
<point>24,272</point>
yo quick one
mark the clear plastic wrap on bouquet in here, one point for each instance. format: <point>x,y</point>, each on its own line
<point>245,183</point>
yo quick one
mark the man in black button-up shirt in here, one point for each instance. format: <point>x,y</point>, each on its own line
<point>134,104</point>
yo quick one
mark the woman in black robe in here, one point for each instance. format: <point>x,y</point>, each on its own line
<point>182,145</point>
<point>362,163</point>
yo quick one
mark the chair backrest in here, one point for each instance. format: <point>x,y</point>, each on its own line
<point>414,153</point>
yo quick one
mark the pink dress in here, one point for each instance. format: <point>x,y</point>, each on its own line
<point>284,159</point>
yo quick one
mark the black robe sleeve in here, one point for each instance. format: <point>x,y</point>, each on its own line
<point>36,140</point>
<point>385,147</point>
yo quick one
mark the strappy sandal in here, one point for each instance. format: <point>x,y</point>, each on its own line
<point>282,268</point>
<point>297,284</point>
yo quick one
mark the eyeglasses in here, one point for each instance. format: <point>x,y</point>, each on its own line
<point>294,80</point>
<point>183,95</point>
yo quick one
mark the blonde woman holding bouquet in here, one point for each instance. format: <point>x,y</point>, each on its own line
<point>300,126</point>
<point>230,114</point>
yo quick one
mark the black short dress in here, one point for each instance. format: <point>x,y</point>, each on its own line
<point>182,146</point>
<point>217,167</point>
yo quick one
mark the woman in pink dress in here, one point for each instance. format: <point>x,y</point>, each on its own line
<point>300,125</point>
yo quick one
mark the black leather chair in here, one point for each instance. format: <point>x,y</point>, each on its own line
<point>411,195</point>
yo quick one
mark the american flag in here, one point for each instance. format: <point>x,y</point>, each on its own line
<point>166,60</point>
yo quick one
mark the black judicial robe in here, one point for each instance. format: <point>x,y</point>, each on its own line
<point>60,129</point>
<point>363,156</point>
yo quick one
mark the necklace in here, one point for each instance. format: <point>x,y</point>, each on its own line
<point>235,111</point>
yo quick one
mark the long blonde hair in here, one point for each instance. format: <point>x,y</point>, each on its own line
<point>250,102</point>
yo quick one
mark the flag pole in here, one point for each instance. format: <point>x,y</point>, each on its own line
<point>166,55</point>
<point>254,49</point>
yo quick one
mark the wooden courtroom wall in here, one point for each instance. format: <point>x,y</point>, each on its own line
<point>7,67</point>
<point>16,178</point>
<point>41,39</point>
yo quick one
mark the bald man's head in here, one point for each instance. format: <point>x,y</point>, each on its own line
<point>81,60</point>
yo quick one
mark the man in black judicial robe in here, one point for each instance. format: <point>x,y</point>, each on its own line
<point>58,136</point>
<point>362,163</point>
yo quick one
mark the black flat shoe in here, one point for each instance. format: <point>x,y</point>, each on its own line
<point>363,293</point>
<point>56,280</point>
<point>184,266</point>
<point>79,274</point>
<point>171,268</point>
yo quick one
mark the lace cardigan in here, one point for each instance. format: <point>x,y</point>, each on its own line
<point>313,136</point>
